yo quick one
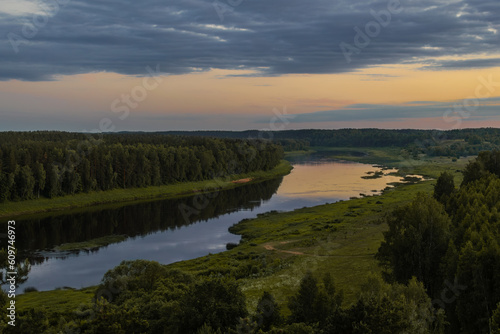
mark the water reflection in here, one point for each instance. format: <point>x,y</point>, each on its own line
<point>137,219</point>
<point>158,231</point>
<point>335,179</point>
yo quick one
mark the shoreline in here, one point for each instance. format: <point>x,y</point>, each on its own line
<point>93,199</point>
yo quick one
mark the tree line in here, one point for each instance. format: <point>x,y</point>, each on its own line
<point>451,243</point>
<point>431,142</point>
<point>49,163</point>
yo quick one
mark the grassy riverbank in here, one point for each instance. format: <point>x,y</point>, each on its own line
<point>278,248</point>
<point>12,209</point>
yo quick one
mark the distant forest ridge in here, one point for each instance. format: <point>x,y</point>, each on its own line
<point>458,142</point>
<point>357,137</point>
<point>50,163</point>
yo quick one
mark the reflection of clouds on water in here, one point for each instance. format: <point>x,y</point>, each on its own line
<point>216,247</point>
<point>336,179</point>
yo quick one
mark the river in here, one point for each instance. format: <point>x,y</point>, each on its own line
<point>159,231</point>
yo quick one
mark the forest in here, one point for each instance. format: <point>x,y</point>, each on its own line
<point>451,243</point>
<point>439,256</point>
<point>50,164</point>
<point>461,142</point>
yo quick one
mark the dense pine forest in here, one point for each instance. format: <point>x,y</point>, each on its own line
<point>50,164</point>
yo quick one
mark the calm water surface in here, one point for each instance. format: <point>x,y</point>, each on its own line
<point>158,230</point>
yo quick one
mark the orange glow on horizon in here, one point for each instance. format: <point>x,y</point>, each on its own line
<point>219,92</point>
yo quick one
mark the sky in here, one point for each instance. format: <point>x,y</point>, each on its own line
<point>120,65</point>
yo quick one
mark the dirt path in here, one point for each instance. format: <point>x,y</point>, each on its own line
<point>242,180</point>
<point>269,247</point>
<point>272,248</point>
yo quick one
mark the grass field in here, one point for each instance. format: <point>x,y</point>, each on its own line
<point>58,301</point>
<point>277,249</point>
<point>12,209</point>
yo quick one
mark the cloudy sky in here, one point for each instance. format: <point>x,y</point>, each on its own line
<point>110,65</point>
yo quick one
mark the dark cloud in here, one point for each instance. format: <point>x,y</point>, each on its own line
<point>270,37</point>
<point>480,109</point>
<point>467,63</point>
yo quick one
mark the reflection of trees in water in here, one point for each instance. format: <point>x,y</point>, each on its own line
<point>134,220</point>
<point>322,157</point>
<point>40,257</point>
